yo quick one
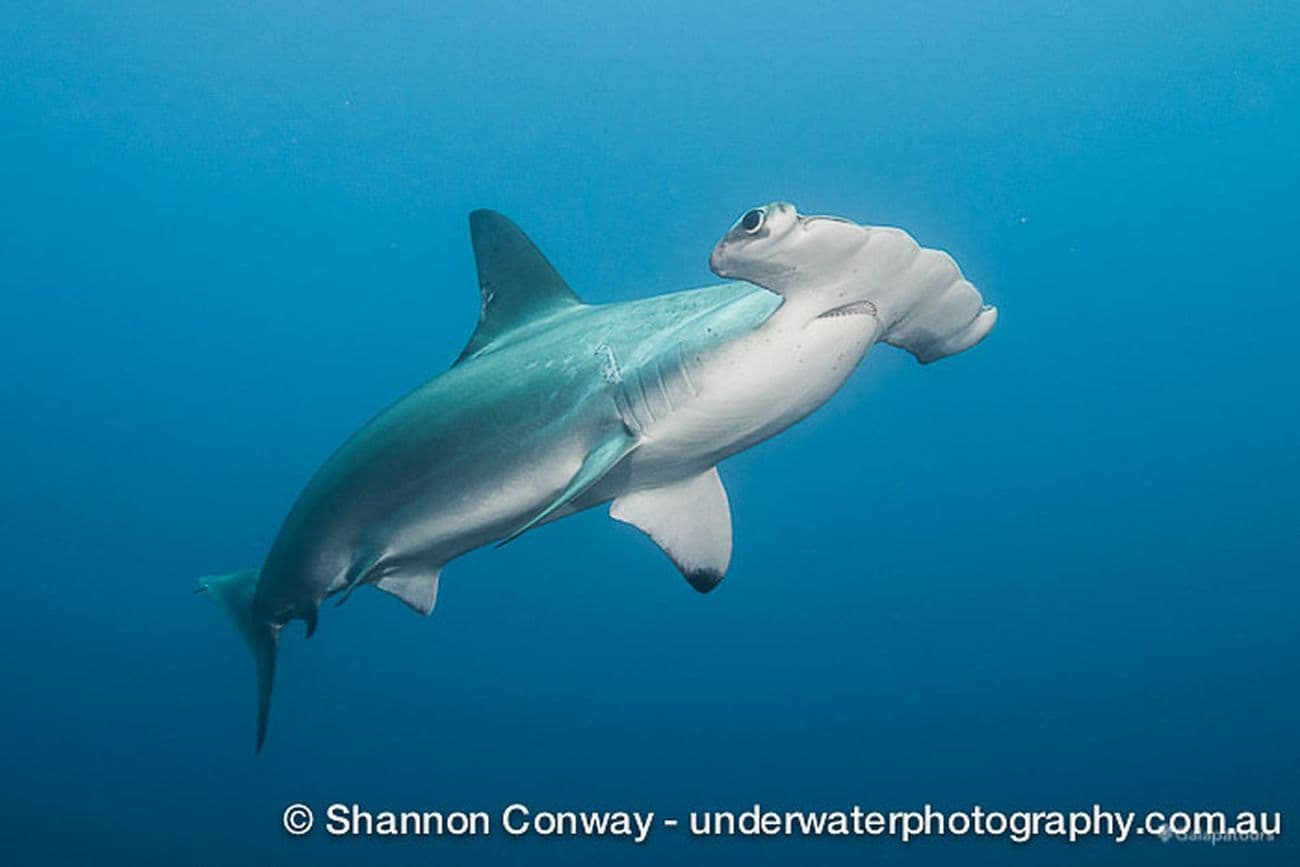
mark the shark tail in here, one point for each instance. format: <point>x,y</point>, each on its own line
<point>233,593</point>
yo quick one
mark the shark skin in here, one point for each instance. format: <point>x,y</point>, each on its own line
<point>556,406</point>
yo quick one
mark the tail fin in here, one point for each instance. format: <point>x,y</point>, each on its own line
<point>234,593</point>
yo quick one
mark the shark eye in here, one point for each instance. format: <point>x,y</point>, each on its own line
<point>752,221</point>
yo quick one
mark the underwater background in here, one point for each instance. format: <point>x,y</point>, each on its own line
<point>1058,569</point>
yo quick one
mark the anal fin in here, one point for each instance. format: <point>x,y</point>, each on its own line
<point>690,520</point>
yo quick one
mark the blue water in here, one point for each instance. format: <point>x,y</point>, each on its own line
<point>1060,568</point>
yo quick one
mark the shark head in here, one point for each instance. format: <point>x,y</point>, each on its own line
<point>780,249</point>
<point>829,266</point>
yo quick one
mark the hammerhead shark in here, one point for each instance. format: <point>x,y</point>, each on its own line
<point>557,405</point>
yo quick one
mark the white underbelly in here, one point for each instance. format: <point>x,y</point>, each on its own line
<point>752,390</point>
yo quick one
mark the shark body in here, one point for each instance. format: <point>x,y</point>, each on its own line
<point>556,406</point>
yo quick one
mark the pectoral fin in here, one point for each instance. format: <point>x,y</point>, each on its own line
<point>690,520</point>
<point>599,461</point>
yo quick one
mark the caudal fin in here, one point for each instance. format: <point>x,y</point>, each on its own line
<point>234,594</point>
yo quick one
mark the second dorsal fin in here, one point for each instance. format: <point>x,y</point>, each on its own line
<point>518,285</point>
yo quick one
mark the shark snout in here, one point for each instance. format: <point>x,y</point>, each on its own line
<point>716,259</point>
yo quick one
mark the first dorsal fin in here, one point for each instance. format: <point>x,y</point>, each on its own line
<point>517,282</point>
